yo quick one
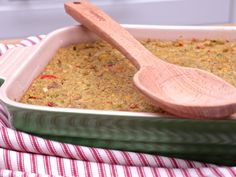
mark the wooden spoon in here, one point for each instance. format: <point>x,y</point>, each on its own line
<point>185,92</point>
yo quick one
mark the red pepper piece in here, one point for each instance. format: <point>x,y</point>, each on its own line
<point>48,76</point>
<point>51,104</point>
<point>109,65</point>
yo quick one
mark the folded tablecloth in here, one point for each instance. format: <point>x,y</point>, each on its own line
<point>22,154</point>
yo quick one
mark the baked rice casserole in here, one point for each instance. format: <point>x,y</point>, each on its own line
<point>96,76</point>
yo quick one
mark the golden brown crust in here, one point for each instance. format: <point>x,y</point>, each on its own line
<point>96,76</point>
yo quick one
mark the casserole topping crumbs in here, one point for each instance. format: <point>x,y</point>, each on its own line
<point>96,76</point>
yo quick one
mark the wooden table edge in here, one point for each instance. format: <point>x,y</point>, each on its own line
<point>10,41</point>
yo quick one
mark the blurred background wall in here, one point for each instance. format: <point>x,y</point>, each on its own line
<point>21,18</point>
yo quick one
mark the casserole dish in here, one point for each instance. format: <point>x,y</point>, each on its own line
<point>204,140</point>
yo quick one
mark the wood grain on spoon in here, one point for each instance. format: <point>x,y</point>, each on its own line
<point>185,92</point>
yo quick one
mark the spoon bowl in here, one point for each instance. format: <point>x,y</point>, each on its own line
<point>180,93</point>
<point>185,92</point>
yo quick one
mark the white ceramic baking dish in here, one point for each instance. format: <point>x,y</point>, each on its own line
<point>146,132</point>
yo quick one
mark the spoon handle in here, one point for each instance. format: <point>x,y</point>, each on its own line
<point>105,27</point>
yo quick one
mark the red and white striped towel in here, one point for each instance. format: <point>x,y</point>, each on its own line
<point>22,154</point>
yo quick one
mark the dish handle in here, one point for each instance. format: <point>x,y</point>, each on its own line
<point>11,61</point>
